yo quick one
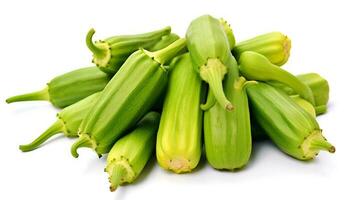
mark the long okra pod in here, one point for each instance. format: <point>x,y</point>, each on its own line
<point>292,129</point>
<point>109,54</point>
<point>227,135</point>
<point>178,146</point>
<point>128,96</point>
<point>68,88</point>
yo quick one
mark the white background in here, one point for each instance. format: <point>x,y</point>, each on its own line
<point>41,39</point>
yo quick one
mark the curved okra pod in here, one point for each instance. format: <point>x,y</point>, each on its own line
<point>255,66</point>
<point>178,146</point>
<point>67,123</point>
<point>129,155</point>
<point>275,46</point>
<point>209,48</point>
<point>291,128</point>
<point>68,88</point>
<point>129,95</point>
<point>227,135</point>
<point>109,54</point>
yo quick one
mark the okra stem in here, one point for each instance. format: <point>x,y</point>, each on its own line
<point>54,129</point>
<point>91,46</point>
<point>83,141</point>
<point>213,73</point>
<point>33,96</point>
<point>164,55</point>
<point>319,144</point>
<point>209,102</point>
<point>119,172</point>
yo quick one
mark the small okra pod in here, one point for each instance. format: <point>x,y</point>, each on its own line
<point>227,135</point>
<point>178,146</point>
<point>129,95</point>
<point>255,66</point>
<point>109,54</point>
<point>290,127</point>
<point>129,155</point>
<point>275,46</point>
<point>68,88</point>
<point>68,121</point>
<point>209,49</point>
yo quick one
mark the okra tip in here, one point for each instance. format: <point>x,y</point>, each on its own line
<point>322,144</point>
<point>32,96</point>
<point>54,129</point>
<point>91,45</point>
<point>83,141</point>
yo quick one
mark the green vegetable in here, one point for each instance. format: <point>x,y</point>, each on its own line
<point>275,46</point>
<point>292,129</point>
<point>111,53</point>
<point>227,135</point>
<point>178,146</point>
<point>130,154</point>
<point>209,48</point>
<point>165,41</point>
<point>67,123</point>
<point>68,88</point>
<point>318,85</point>
<point>128,96</point>
<point>255,66</point>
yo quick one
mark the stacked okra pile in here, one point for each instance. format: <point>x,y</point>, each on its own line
<point>157,92</point>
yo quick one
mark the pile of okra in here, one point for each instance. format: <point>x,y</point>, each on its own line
<point>159,94</point>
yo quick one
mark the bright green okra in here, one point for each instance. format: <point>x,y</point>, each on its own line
<point>68,121</point>
<point>128,96</point>
<point>68,88</point>
<point>209,48</point>
<point>109,54</point>
<point>227,135</point>
<point>318,85</point>
<point>178,146</point>
<point>291,128</point>
<point>130,154</point>
<point>275,46</point>
<point>255,66</point>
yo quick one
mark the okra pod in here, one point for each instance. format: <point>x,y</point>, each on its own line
<point>68,88</point>
<point>130,154</point>
<point>127,97</point>
<point>275,46</point>
<point>227,135</point>
<point>178,146</point>
<point>109,54</point>
<point>291,128</point>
